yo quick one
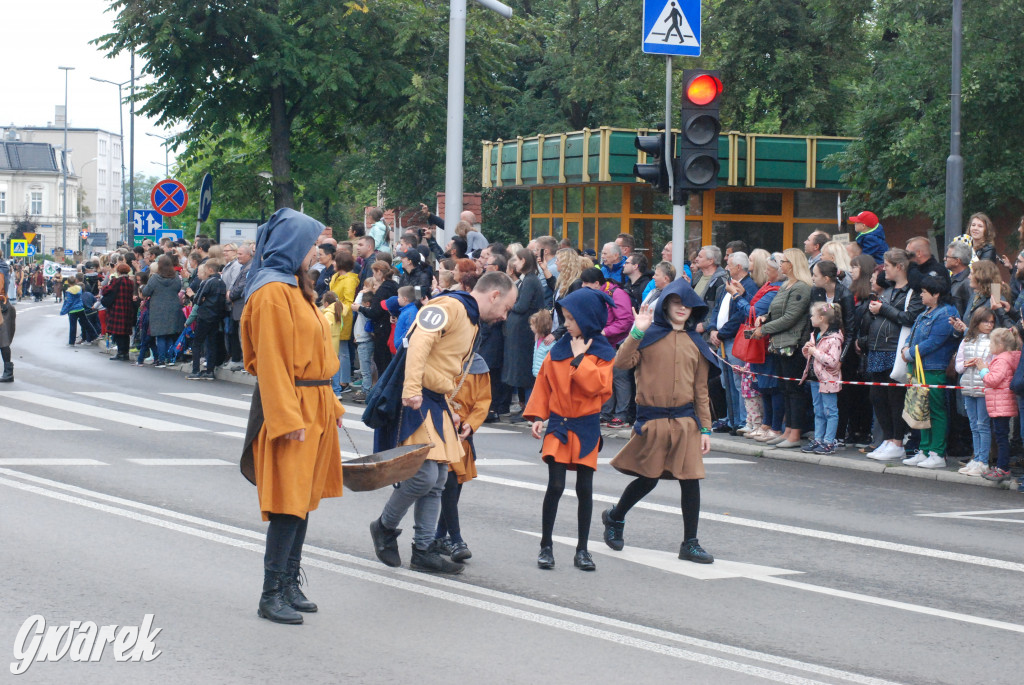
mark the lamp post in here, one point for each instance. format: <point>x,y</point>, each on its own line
<point>955,163</point>
<point>78,206</point>
<point>120,115</point>
<point>269,178</point>
<point>64,165</point>
<point>167,173</point>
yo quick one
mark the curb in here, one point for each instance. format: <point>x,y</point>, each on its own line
<point>220,374</point>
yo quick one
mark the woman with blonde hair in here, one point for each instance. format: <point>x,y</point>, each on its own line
<point>570,268</point>
<point>787,324</point>
<point>835,252</point>
<point>759,266</point>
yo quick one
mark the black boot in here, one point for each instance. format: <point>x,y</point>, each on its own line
<point>8,376</point>
<point>273,606</point>
<point>431,562</point>
<point>385,543</point>
<point>291,592</point>
<point>613,530</point>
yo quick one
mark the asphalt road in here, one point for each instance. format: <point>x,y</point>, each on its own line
<point>120,497</point>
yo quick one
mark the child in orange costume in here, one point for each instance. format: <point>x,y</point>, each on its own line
<point>574,381</point>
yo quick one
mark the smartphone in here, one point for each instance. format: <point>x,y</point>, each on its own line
<point>873,297</point>
<point>418,292</point>
<point>748,334</point>
<point>997,292</point>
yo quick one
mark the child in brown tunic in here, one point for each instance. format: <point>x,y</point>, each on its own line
<point>673,420</point>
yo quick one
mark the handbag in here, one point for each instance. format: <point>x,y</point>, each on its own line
<point>899,369</point>
<point>109,298</point>
<point>916,408</point>
<point>750,350</point>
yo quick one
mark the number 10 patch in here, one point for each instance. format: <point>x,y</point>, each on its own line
<point>432,318</point>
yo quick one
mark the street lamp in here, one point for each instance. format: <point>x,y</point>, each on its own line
<point>120,115</point>
<point>64,155</point>
<point>269,178</point>
<point>167,173</point>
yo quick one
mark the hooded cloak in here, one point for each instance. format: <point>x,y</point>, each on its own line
<point>281,245</point>
<point>590,309</point>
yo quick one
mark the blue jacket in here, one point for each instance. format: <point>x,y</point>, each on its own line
<point>737,313</point>
<point>614,272</point>
<point>873,243</point>
<point>404,323</point>
<point>933,336</point>
<point>72,300</point>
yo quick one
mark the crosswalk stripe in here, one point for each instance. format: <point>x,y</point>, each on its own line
<point>181,462</point>
<point>45,423</point>
<point>232,434</point>
<point>168,408</point>
<point>210,399</point>
<point>46,461</point>
<point>78,407</point>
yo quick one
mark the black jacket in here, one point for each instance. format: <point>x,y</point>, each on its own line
<point>960,290</point>
<point>915,272</point>
<point>881,332</point>
<point>421,276</point>
<point>635,290</point>
<point>844,298</point>
<point>376,313</point>
<point>211,299</point>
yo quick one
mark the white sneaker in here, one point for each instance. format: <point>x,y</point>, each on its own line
<point>887,451</point>
<point>974,468</point>
<point>918,457</point>
<point>744,430</point>
<point>934,461</point>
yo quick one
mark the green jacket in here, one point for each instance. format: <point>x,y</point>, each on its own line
<point>788,316</point>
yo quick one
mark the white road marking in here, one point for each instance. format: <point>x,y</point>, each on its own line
<point>792,530</point>
<point>459,590</point>
<point>210,399</point>
<point>180,462</point>
<point>167,408</point>
<point>708,461</point>
<point>508,462</point>
<point>981,515</point>
<point>80,407</point>
<point>45,423</point>
<point>231,434</point>
<point>48,461</point>
<point>669,561</point>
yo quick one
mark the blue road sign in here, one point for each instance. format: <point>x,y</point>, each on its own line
<point>672,27</point>
<point>206,197</point>
<point>68,252</point>
<point>169,233</point>
<point>147,222</point>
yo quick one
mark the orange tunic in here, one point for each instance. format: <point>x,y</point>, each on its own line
<point>571,392</point>
<point>285,338</point>
<point>471,403</point>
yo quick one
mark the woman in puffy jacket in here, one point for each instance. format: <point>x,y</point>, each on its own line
<point>932,337</point>
<point>975,348</point>
<point>887,314</point>
<point>999,399</point>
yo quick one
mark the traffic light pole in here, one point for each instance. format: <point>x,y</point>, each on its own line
<point>678,210</point>
<point>955,163</point>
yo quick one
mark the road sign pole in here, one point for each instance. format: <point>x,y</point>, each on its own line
<point>678,210</point>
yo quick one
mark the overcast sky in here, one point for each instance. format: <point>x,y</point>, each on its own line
<point>42,35</point>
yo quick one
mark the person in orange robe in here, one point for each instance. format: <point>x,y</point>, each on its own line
<point>471,403</point>
<point>575,380</point>
<point>291,451</point>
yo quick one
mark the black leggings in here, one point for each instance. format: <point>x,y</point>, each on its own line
<point>448,522</point>
<point>123,342</point>
<point>5,353</point>
<point>584,493</point>
<point>793,393</point>
<point>888,404</point>
<point>642,486</point>
<point>285,537</point>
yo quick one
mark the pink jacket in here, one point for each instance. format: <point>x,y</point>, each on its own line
<point>620,317</point>
<point>999,399</point>
<point>827,361</point>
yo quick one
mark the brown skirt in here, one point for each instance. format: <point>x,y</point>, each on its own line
<point>667,448</point>
<point>8,326</point>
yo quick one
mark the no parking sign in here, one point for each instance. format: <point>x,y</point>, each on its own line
<point>169,197</point>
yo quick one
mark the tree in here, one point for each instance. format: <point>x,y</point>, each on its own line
<point>898,165</point>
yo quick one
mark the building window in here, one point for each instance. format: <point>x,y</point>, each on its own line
<point>101,177</point>
<point>101,205</point>
<point>116,206</point>
<point>36,203</point>
<point>3,202</point>
<point>102,147</point>
<point>117,149</point>
<point>117,178</point>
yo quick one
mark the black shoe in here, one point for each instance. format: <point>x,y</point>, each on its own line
<point>8,376</point>
<point>583,561</point>
<point>209,376</point>
<point>491,418</point>
<point>613,530</point>
<point>119,358</point>
<point>273,606</point>
<point>292,594</point>
<point>459,551</point>
<point>691,550</point>
<point>442,546</point>
<point>385,543</point>
<point>432,562</point>
<point>546,558</point>
<point>195,377</point>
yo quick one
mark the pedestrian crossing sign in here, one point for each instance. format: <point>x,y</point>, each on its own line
<point>19,248</point>
<point>672,27</point>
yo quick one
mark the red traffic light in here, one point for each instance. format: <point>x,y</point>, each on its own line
<point>703,89</point>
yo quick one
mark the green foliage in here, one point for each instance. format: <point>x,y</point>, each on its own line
<point>899,165</point>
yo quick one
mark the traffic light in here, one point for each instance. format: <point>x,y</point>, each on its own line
<point>655,171</point>
<point>696,167</point>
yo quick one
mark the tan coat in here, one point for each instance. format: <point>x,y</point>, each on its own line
<point>285,338</point>
<point>439,348</point>
<point>670,373</point>
<point>471,403</point>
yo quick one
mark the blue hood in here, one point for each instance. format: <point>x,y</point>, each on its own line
<point>281,245</point>
<point>662,327</point>
<point>590,309</point>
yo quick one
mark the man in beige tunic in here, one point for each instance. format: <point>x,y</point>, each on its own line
<point>673,419</point>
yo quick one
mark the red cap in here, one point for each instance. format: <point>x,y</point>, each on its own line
<point>867,218</point>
